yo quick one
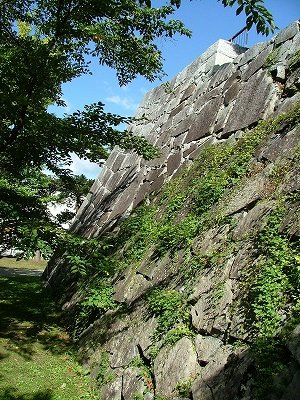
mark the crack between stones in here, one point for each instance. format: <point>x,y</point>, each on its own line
<point>147,362</point>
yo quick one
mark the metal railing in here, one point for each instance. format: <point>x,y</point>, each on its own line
<point>240,38</point>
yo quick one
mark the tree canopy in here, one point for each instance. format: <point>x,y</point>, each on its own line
<point>45,43</point>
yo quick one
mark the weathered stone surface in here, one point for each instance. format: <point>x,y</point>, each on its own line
<point>181,116</point>
<point>124,200</point>
<point>287,33</point>
<point>122,348</point>
<point>211,312</point>
<point>292,84</point>
<point>285,104</point>
<point>112,390</point>
<point>291,182</point>
<point>257,63</point>
<point>252,102</point>
<point>223,72</point>
<point>238,328</point>
<point>253,190</point>
<point>176,110</point>
<point>202,286</point>
<point>157,184</point>
<point>221,120</point>
<point>179,141</point>
<point>206,347</point>
<point>173,162</point>
<point>114,181</point>
<point>209,374</point>
<point>182,127</point>
<point>188,92</point>
<point>231,93</point>
<point>280,74</point>
<point>173,365</point>
<point>204,123</point>
<point>252,220</point>
<point>202,319</point>
<point>281,147</point>
<point>233,78</point>
<point>116,165</point>
<point>203,99</point>
<point>225,377</point>
<point>211,241</point>
<point>156,270</point>
<point>240,261</point>
<point>153,174</point>
<point>133,383</point>
<point>144,335</point>
<point>131,287</point>
<point>222,314</point>
<point>251,53</point>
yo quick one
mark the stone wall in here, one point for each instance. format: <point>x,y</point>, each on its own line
<point>222,92</point>
<point>215,99</point>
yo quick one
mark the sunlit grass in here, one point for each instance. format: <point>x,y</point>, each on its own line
<point>36,361</point>
<point>10,262</point>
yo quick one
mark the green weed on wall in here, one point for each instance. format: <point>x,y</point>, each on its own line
<point>187,206</point>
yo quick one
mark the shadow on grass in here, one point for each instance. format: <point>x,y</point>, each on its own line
<point>28,315</point>
<point>12,394</point>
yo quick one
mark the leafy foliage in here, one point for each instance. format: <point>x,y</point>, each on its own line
<point>278,280</point>
<point>256,14</point>
<point>46,43</point>
<point>25,219</point>
<point>169,307</point>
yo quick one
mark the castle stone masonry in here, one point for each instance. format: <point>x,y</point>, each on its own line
<point>222,92</point>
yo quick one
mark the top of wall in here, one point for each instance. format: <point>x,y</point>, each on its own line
<point>218,96</point>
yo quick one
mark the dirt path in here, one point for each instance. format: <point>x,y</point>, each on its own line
<point>36,361</point>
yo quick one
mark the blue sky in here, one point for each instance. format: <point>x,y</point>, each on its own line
<point>207,19</point>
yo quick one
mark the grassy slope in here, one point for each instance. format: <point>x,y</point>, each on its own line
<point>35,357</point>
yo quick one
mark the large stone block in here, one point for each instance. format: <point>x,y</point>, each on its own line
<point>173,163</point>
<point>222,119</point>
<point>121,348</point>
<point>174,365</point>
<point>287,33</point>
<point>183,126</point>
<point>252,101</point>
<point>251,53</point>
<point>257,63</point>
<point>256,188</point>
<point>133,384</point>
<point>204,122</point>
<point>222,74</point>
<point>206,347</point>
<point>231,93</point>
<point>253,220</point>
<point>131,287</point>
<point>112,390</point>
<point>188,92</point>
<point>281,147</point>
<point>203,99</point>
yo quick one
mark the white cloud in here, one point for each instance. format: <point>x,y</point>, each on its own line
<point>126,102</point>
<point>80,166</point>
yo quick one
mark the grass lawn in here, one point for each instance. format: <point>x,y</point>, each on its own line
<point>36,361</point>
<point>10,262</point>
